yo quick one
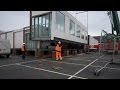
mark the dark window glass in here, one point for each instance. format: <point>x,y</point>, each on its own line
<point>78,31</point>
<point>82,34</point>
<point>36,27</point>
<point>72,27</point>
<point>32,28</point>
<point>40,26</point>
<point>60,21</point>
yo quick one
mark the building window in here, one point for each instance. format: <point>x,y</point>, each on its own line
<point>78,31</point>
<point>36,27</point>
<point>41,25</point>
<point>60,21</point>
<point>72,27</point>
<point>47,25</point>
<point>33,28</point>
<point>86,35</point>
<point>82,34</point>
<point>118,15</point>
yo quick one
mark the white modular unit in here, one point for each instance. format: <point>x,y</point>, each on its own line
<point>54,32</point>
<point>93,41</point>
<point>10,37</point>
<point>18,38</point>
<point>66,34</point>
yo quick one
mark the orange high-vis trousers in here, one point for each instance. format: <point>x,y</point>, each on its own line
<point>58,55</point>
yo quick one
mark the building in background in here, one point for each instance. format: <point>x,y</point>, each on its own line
<point>93,43</point>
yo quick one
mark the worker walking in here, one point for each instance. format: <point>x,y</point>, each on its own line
<point>58,51</point>
<point>23,49</point>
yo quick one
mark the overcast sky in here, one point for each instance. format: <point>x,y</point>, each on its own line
<point>97,20</point>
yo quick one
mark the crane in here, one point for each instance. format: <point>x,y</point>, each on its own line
<point>115,22</point>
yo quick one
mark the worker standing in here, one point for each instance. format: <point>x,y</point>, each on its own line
<point>23,49</point>
<point>58,51</point>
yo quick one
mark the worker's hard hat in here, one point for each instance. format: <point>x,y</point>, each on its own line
<point>23,43</point>
<point>59,42</point>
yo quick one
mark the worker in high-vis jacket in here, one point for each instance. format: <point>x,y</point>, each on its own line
<point>23,49</point>
<point>58,51</point>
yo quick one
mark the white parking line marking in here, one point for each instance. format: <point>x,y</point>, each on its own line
<point>63,62</point>
<point>84,60</point>
<point>7,65</point>
<point>18,63</point>
<point>80,64</point>
<point>78,59</point>
<point>83,68</point>
<point>57,62</point>
<point>50,71</point>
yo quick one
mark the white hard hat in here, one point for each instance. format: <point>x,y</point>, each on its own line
<point>59,42</point>
<point>23,43</point>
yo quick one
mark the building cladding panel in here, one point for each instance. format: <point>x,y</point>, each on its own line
<point>18,38</point>
<point>10,37</point>
<point>66,33</point>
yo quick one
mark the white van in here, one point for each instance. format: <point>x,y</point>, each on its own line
<point>5,47</point>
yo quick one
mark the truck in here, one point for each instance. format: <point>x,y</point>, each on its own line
<point>5,47</point>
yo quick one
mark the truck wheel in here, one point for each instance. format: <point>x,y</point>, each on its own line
<point>7,56</point>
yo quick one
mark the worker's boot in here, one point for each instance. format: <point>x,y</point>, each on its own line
<point>61,58</point>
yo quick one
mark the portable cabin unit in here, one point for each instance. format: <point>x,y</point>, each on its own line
<point>54,26</point>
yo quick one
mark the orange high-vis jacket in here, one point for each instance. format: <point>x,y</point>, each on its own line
<point>22,48</point>
<point>57,48</point>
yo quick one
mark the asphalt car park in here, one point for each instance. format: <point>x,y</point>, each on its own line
<point>80,66</point>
